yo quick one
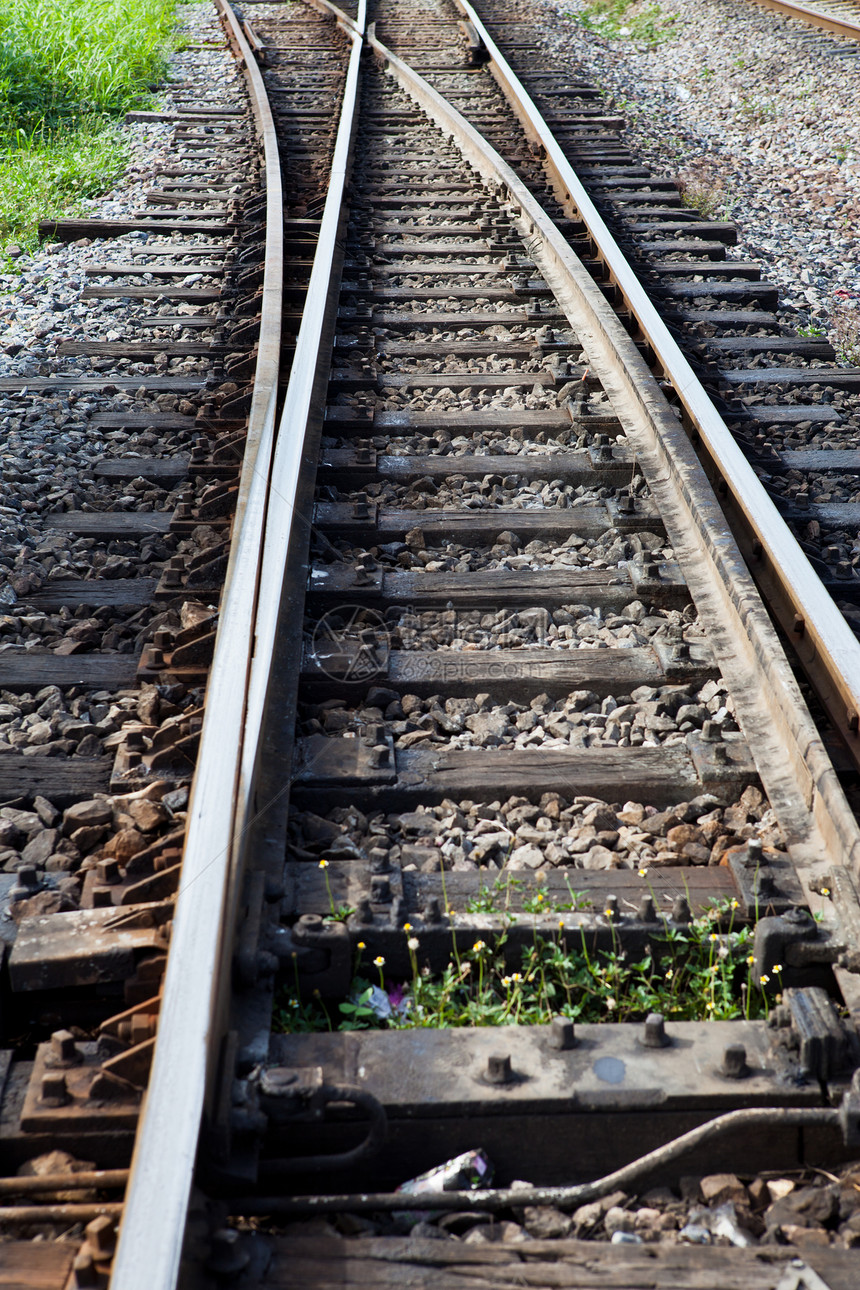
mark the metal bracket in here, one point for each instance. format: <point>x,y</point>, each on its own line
<point>766,880</point>
<point>345,762</point>
<point>726,760</point>
<point>826,1046</point>
<point>334,955</point>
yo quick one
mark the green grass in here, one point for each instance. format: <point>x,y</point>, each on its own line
<point>642,21</point>
<point>68,70</point>
<point>702,973</point>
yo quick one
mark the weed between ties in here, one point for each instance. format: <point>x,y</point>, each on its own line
<point>700,972</point>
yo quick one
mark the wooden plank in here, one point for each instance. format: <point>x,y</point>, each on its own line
<point>111,524</point>
<point>140,351</point>
<point>69,230</point>
<point>574,467</point>
<point>194,295</point>
<point>123,420</point>
<point>166,469</point>
<point>772,345</point>
<point>61,780</point>
<point>655,775</point>
<point>761,292</point>
<point>792,413</point>
<point>156,270</point>
<point>36,1265</point>
<point>31,669</point>
<point>492,588</point>
<point>584,1265</point>
<point>96,384</point>
<point>467,525</point>
<point>125,593</point>
<point>844,378</point>
<point>427,319</point>
<point>847,459</point>
<point>550,419</point>
<point>513,671</point>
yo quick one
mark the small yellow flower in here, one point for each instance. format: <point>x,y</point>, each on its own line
<point>734,904</point>
<point>478,946</point>
<point>323,864</point>
<point>777,967</point>
<point>764,978</point>
<point>713,937</point>
<point>361,945</point>
<point>561,922</point>
<point>407,927</point>
<point>670,974</point>
<point>412,943</point>
<point>506,981</point>
<point>607,913</point>
<point>825,891</point>
<point>379,961</point>
<point>294,1003</point>
<point>750,959</point>
<point>710,1005</point>
<point>642,873</point>
<point>611,1005</point>
<point>516,976</point>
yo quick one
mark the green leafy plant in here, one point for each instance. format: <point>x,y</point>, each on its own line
<point>700,972</point>
<point>642,21</point>
<point>68,70</point>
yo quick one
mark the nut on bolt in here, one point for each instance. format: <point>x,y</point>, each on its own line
<point>654,1031</point>
<point>562,1034</point>
<point>63,1051</point>
<point>101,1237</point>
<point>735,1061</point>
<point>54,1091</point>
<point>499,1070</point>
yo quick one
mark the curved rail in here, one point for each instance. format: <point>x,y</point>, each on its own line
<point>816,17</point>
<point>150,1242</point>
<point>831,652</point>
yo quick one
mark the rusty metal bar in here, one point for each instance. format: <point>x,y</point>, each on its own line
<point>108,1179</point>
<point>150,1242</point>
<point>815,18</point>
<point>494,1199</point>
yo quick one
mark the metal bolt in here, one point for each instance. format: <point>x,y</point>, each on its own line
<point>183,511</point>
<point>711,732</point>
<point>227,1257</point>
<point>380,888</point>
<point>561,1033</point>
<point>155,656</point>
<point>654,1031</point>
<point>27,876</point>
<point>312,923</point>
<point>133,760</point>
<point>380,755</point>
<point>163,638</point>
<point>763,883</point>
<point>101,1236</point>
<point>499,1069</point>
<point>172,578</point>
<point>54,1090</point>
<point>721,755</point>
<point>735,1061</point>
<point>681,912</point>
<point>379,862</point>
<point>611,907</point>
<point>626,503</point>
<point>360,510</point>
<point>101,897</point>
<point>647,912</point>
<point>63,1050</point>
<point>432,910</point>
<point>650,569</point>
<point>107,870</point>
<point>363,911</point>
<point>754,854</point>
<point>84,1270</point>
<point>374,733</point>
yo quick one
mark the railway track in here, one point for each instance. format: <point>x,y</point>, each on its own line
<point>839,17</point>
<point>500,694</point>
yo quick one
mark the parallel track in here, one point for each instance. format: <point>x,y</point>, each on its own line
<point>495,468</point>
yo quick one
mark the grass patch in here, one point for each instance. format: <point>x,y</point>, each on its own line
<point>701,973</point>
<point>68,70</point>
<point>642,21</point>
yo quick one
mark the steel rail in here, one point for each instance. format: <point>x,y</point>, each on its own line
<point>814,17</point>
<point>149,1249</point>
<point>794,768</point>
<point>830,654</point>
